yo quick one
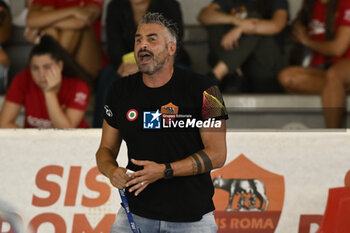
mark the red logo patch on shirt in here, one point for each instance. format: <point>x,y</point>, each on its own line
<point>169,112</point>
<point>132,114</point>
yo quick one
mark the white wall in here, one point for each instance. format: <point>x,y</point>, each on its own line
<point>310,163</point>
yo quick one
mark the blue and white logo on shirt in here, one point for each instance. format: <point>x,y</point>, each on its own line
<point>152,120</point>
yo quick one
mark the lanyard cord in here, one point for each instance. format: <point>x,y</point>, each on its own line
<point>132,223</point>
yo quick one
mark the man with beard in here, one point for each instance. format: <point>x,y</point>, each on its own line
<point>160,113</point>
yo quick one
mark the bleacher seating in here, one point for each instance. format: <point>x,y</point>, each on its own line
<point>246,111</point>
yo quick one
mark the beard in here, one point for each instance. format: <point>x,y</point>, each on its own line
<point>157,62</point>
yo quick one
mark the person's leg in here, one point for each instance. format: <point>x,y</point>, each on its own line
<point>334,93</point>
<point>122,225</point>
<point>89,53</point>
<point>104,80</point>
<point>262,67</point>
<point>297,79</point>
<point>206,225</point>
<point>70,40</point>
<point>229,61</point>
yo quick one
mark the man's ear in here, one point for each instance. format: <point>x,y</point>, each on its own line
<point>171,48</point>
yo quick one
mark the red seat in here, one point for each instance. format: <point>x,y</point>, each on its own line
<point>336,218</point>
<point>343,216</point>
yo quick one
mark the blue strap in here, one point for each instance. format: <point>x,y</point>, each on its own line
<point>132,223</point>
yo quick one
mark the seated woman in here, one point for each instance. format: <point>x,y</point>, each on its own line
<point>246,36</point>
<point>324,27</point>
<point>50,91</point>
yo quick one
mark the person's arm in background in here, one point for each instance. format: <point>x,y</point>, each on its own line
<point>60,116</point>
<point>336,47</point>
<point>85,16</point>
<point>9,114</point>
<point>253,26</point>
<point>271,26</point>
<point>45,16</point>
<point>212,14</point>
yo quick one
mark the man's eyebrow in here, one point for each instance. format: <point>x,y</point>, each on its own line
<point>149,35</point>
<point>152,34</point>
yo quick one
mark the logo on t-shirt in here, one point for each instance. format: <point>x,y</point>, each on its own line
<point>39,122</point>
<point>108,111</point>
<point>169,112</point>
<point>80,98</point>
<point>317,27</point>
<point>347,15</point>
<point>151,120</point>
<point>132,114</point>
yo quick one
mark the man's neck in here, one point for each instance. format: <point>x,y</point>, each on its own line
<point>160,78</point>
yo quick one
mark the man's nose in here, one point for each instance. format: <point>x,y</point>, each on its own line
<point>144,44</point>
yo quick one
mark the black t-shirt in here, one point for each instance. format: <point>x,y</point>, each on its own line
<point>142,116</point>
<point>251,5</point>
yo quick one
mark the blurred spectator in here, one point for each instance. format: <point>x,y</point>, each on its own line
<point>20,19</point>
<point>121,22</point>
<point>243,34</point>
<point>50,90</point>
<point>324,27</point>
<point>75,24</point>
<point>5,35</point>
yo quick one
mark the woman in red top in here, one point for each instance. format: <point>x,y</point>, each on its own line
<point>324,27</point>
<point>51,98</point>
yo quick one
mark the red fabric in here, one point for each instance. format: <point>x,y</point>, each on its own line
<point>343,223</point>
<point>64,3</point>
<point>336,217</point>
<point>74,93</point>
<point>317,27</point>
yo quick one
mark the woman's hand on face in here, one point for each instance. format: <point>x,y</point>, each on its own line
<point>54,79</point>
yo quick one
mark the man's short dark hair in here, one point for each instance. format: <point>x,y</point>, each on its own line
<point>158,18</point>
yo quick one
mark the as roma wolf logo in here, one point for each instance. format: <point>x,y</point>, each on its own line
<point>247,198</point>
<point>248,192</point>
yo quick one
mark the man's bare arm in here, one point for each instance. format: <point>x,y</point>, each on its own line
<point>106,156</point>
<point>212,156</point>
